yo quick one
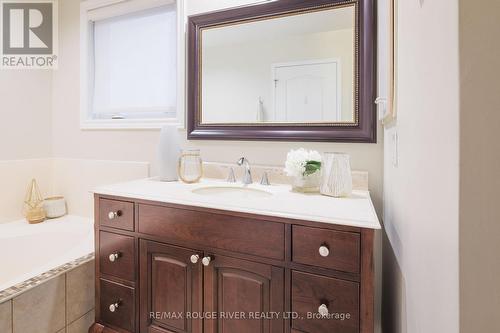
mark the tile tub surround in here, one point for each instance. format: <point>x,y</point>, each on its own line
<point>43,248</point>
<point>63,303</point>
<point>25,286</point>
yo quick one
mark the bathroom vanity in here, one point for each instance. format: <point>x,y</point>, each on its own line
<point>173,257</point>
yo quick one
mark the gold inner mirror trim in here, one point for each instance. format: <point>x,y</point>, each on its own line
<point>354,3</point>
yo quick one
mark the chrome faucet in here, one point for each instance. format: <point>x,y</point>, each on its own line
<point>247,176</point>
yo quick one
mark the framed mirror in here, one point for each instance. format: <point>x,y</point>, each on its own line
<point>283,70</point>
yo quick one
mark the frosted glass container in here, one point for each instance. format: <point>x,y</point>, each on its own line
<point>336,177</point>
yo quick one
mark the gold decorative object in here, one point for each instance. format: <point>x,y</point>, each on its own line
<point>33,204</point>
<point>190,166</point>
<point>392,69</point>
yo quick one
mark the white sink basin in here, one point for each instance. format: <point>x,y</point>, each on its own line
<point>232,192</point>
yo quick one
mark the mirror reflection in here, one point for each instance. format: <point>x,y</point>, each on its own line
<point>291,69</point>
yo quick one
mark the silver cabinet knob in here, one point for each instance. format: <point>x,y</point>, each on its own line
<point>113,307</point>
<point>324,251</point>
<point>112,215</point>
<point>194,258</point>
<point>206,261</point>
<point>323,310</point>
<point>114,256</point>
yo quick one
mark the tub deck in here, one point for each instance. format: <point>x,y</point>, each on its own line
<point>33,253</point>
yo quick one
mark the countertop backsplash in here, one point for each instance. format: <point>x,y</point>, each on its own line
<point>276,174</point>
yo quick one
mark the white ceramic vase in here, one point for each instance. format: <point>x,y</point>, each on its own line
<point>168,153</point>
<point>336,178</point>
<point>55,207</point>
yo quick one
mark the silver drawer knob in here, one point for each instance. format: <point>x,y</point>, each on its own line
<point>194,258</point>
<point>324,251</point>
<point>112,215</point>
<point>113,307</point>
<point>114,256</point>
<point>323,310</point>
<point>206,261</point>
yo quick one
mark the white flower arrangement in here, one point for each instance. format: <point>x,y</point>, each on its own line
<point>302,162</point>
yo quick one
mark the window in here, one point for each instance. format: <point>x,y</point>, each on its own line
<point>131,77</point>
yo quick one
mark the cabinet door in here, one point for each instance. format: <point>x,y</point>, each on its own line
<point>170,289</point>
<point>241,292</point>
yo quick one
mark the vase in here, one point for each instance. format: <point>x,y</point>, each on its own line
<point>336,178</point>
<point>190,166</point>
<point>307,183</point>
<point>168,153</point>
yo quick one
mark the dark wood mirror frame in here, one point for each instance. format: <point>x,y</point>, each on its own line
<point>363,131</point>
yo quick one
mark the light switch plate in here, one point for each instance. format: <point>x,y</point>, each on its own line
<point>395,149</point>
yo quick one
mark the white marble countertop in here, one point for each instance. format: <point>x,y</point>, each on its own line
<point>355,211</point>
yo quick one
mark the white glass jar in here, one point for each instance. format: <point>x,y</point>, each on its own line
<point>336,177</point>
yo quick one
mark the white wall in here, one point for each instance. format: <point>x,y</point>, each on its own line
<point>25,108</point>
<point>71,142</point>
<point>25,136</point>
<point>421,192</point>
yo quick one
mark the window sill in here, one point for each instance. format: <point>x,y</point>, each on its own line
<point>129,124</point>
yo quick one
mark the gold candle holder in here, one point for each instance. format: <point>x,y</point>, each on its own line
<point>33,204</point>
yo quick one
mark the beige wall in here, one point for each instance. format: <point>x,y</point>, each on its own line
<point>71,142</point>
<point>421,191</point>
<point>25,107</point>
<point>479,166</point>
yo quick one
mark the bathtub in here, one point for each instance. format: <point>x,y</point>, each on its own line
<point>30,250</point>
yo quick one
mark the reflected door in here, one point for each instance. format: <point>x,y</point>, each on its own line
<point>307,92</point>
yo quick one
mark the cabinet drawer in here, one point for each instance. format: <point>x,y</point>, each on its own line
<point>237,234</point>
<point>117,255</point>
<point>116,214</point>
<point>342,248</point>
<point>123,316</point>
<point>340,298</point>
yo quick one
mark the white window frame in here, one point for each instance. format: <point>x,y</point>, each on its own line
<point>92,10</point>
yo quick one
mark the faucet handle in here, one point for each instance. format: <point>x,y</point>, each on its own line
<point>265,179</point>
<point>242,160</point>
<point>231,178</point>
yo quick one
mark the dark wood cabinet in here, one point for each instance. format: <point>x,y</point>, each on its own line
<point>117,255</point>
<point>165,268</point>
<point>170,288</point>
<point>340,297</point>
<point>243,290</point>
<point>117,306</point>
